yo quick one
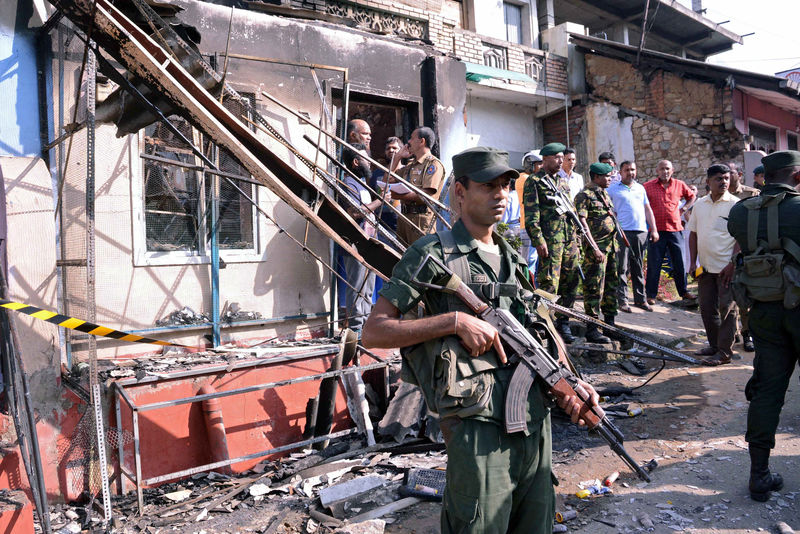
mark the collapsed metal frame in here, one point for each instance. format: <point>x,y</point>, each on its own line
<point>258,171</point>
<point>121,395</point>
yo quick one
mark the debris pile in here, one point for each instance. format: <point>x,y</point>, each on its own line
<point>185,315</point>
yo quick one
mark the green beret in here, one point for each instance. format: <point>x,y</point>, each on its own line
<point>759,170</point>
<point>781,160</point>
<point>600,168</point>
<point>552,149</point>
<point>482,164</point>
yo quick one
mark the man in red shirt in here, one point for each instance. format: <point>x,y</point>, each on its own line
<point>665,194</point>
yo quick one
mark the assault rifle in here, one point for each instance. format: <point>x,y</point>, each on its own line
<point>564,206</point>
<point>534,360</point>
<point>674,355</point>
<point>617,227</point>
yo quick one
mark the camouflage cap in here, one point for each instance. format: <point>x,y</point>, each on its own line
<point>551,149</point>
<point>781,160</point>
<point>482,164</point>
<point>600,168</point>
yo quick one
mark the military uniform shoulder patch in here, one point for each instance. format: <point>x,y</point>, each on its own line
<point>431,169</point>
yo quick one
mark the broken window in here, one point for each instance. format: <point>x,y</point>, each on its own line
<point>171,190</point>
<point>178,193</point>
<point>764,137</point>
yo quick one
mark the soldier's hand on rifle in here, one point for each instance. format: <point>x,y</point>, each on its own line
<point>478,336</point>
<point>572,404</point>
<point>542,250</point>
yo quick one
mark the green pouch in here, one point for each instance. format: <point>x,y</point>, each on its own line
<point>463,383</point>
<point>759,277</point>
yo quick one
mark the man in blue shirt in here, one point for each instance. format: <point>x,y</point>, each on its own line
<point>635,217</point>
<point>361,208</point>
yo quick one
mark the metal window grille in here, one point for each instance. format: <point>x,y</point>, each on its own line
<point>177,196</point>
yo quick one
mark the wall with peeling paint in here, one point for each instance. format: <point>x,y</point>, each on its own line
<point>510,127</point>
<point>135,290</point>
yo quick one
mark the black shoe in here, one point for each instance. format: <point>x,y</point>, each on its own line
<point>593,335</point>
<point>609,320</point>
<point>761,480</point>
<point>562,325</point>
<point>747,342</point>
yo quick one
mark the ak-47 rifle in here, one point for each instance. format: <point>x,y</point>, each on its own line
<point>673,354</point>
<point>617,227</point>
<point>564,206</point>
<point>534,360</point>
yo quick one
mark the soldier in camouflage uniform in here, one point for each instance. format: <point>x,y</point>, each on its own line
<point>600,284</point>
<point>553,234</point>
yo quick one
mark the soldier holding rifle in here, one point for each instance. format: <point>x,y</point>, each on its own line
<point>599,266</point>
<point>498,481</point>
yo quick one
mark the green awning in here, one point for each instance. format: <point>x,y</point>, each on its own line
<point>476,73</point>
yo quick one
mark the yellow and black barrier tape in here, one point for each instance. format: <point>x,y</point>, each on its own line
<point>84,326</point>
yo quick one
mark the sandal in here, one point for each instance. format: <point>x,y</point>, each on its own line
<point>715,362</point>
<point>707,351</point>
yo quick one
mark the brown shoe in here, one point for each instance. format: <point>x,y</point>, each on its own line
<point>651,301</point>
<point>715,361</point>
<point>625,308</point>
<point>707,351</point>
<point>643,305</point>
<point>688,296</point>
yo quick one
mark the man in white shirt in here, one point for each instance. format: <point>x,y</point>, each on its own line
<point>713,248</point>
<point>571,181</point>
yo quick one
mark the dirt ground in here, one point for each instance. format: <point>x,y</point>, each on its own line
<point>692,423</point>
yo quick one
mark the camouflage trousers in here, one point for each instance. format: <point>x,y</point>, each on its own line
<point>600,283</point>
<point>558,272</point>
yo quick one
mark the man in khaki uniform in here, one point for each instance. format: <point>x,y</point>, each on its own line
<point>741,191</point>
<point>427,173</point>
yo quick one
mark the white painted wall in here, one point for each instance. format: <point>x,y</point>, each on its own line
<point>510,127</point>
<point>32,271</point>
<point>606,132</point>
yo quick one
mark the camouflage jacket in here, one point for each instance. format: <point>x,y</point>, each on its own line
<point>543,221</point>
<point>590,204</point>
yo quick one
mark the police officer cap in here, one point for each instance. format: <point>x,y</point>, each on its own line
<point>759,170</point>
<point>781,160</point>
<point>532,156</point>
<point>600,168</point>
<point>482,164</point>
<point>552,149</point>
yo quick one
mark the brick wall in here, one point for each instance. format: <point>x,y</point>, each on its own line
<point>687,121</point>
<point>468,46</point>
<point>556,67</point>
<point>554,127</point>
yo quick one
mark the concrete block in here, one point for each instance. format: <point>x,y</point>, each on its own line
<point>338,492</point>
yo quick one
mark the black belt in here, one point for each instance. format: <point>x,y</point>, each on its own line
<point>414,208</point>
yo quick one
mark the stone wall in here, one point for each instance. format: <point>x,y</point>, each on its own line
<point>686,121</point>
